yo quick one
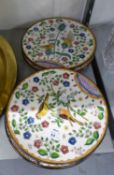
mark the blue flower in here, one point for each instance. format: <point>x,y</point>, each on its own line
<point>82,56</point>
<point>35,29</point>
<point>64,45</point>
<point>36,79</point>
<point>71,50</point>
<point>72,140</point>
<point>48,52</point>
<point>27,135</point>
<point>52,29</point>
<point>82,34</point>
<point>25,102</point>
<point>66,83</point>
<point>28,47</point>
<point>62,27</point>
<point>30,120</point>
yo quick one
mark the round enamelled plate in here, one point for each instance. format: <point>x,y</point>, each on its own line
<point>59,42</point>
<point>57,116</point>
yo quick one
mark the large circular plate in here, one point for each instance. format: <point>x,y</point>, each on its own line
<point>58,42</point>
<point>57,116</point>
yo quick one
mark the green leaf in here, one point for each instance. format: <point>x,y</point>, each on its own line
<point>89,141</point>
<point>81,113</point>
<point>58,145</point>
<point>25,86</point>
<point>42,152</point>
<point>50,72</point>
<point>17,132</point>
<point>14,123</point>
<point>45,73</point>
<point>54,155</point>
<point>25,117</point>
<point>46,145</point>
<point>17,94</point>
<point>100,116</point>
<point>46,138</point>
<point>100,108</point>
<point>96,135</point>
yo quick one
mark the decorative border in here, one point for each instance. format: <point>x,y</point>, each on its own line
<point>34,65</point>
<point>69,160</point>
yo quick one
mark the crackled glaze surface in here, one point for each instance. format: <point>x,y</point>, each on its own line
<point>62,128</point>
<point>58,42</point>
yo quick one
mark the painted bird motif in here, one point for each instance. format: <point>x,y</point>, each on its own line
<point>43,109</point>
<point>69,39</point>
<point>48,46</point>
<point>66,114</point>
<point>63,112</point>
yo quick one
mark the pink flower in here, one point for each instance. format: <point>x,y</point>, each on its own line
<point>66,75</point>
<point>64,149</point>
<point>37,143</point>
<point>45,124</point>
<point>64,58</point>
<point>34,89</point>
<point>50,21</point>
<point>30,39</point>
<point>85,48</point>
<point>72,25</point>
<point>55,82</point>
<point>40,54</point>
<point>97,125</point>
<point>76,42</point>
<point>14,108</point>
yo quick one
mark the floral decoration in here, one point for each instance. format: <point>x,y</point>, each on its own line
<point>58,113</point>
<point>63,42</point>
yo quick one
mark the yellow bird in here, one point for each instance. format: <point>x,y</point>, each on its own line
<point>48,46</point>
<point>69,39</point>
<point>65,113</point>
<point>43,109</point>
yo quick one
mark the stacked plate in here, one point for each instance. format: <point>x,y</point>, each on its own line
<point>56,118</point>
<point>58,42</point>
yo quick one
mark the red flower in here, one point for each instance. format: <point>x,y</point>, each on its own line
<point>40,54</point>
<point>97,125</point>
<point>64,149</point>
<point>45,124</point>
<point>76,42</point>
<point>14,108</point>
<point>37,143</point>
<point>30,39</point>
<point>85,48</point>
<point>55,82</point>
<point>72,25</point>
<point>50,21</point>
<point>34,89</point>
<point>64,58</point>
<point>66,75</point>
